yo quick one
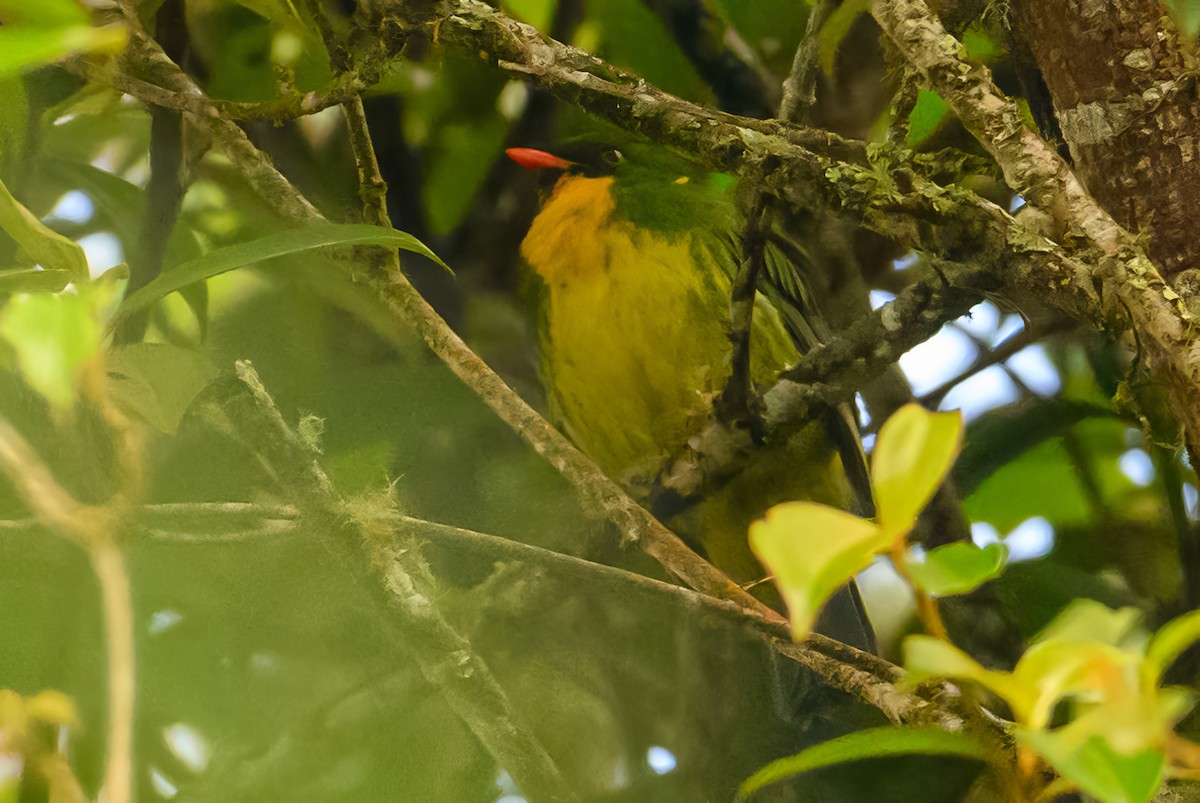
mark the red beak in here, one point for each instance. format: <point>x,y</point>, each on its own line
<point>532,159</point>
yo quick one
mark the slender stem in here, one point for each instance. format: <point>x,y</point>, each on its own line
<point>927,610</point>
<point>109,565</point>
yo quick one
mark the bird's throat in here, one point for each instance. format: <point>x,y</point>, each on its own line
<point>574,221</point>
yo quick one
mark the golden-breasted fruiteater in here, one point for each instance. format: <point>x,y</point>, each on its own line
<point>632,255</point>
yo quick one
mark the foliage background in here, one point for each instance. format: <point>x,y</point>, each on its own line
<point>269,665</point>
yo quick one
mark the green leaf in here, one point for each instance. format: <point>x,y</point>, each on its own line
<point>925,657</point>
<point>835,30</point>
<point>1186,14</point>
<point>282,243</point>
<point>1100,770</point>
<point>1170,641</point>
<point>157,382</point>
<point>956,568</point>
<point>913,454</point>
<point>1086,620</point>
<point>33,280</point>
<point>927,114</point>
<point>1051,671</point>
<point>812,551</point>
<point>52,336</point>
<point>538,13</point>
<point>983,44</point>
<point>35,33</point>
<point>14,123</point>
<point>635,37</point>
<point>44,246</point>
<point>873,743</point>
<point>119,203</point>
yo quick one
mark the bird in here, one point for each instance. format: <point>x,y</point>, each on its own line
<point>629,262</point>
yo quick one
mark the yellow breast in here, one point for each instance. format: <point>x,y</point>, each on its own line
<point>633,329</point>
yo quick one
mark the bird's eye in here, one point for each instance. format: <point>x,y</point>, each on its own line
<point>612,157</point>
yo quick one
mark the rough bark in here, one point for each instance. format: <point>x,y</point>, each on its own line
<point>1124,94</point>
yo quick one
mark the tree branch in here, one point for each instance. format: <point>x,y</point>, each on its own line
<point>1129,295</point>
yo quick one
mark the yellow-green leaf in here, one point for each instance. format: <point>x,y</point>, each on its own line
<point>44,246</point>
<point>52,336</point>
<point>812,550</point>
<point>1170,641</point>
<point>956,568</point>
<point>52,707</point>
<point>927,114</point>
<point>1100,770</point>
<point>866,744</point>
<point>1086,620</point>
<point>913,454</point>
<point>926,657</point>
<point>270,246</point>
<point>157,381</point>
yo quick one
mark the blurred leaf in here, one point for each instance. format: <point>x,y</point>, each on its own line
<point>14,123</point>
<point>998,438</point>
<point>1100,770</point>
<point>454,117</point>
<point>235,44</point>
<point>956,568</point>
<point>52,707</point>
<point>538,13</point>
<point>865,744</point>
<point>274,245</point>
<point>1186,14</point>
<point>118,202</point>
<point>33,280</point>
<point>926,116</point>
<point>813,550</point>
<point>926,657</point>
<point>913,453</point>
<point>52,336</point>
<point>835,30</point>
<point>44,246</point>
<point>1043,482</point>
<point>1087,620</point>
<point>632,36</point>
<point>1170,642</point>
<point>459,161</point>
<point>157,382</point>
<point>282,12</point>
<point>34,33</point>
<point>773,28</point>
<point>1037,590</point>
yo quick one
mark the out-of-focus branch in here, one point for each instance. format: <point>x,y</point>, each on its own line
<point>95,529</point>
<point>446,658</point>
<point>866,676</point>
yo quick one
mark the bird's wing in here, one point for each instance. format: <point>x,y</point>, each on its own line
<point>786,264</point>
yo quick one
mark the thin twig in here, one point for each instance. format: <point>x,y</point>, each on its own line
<point>987,358</point>
<point>94,529</point>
